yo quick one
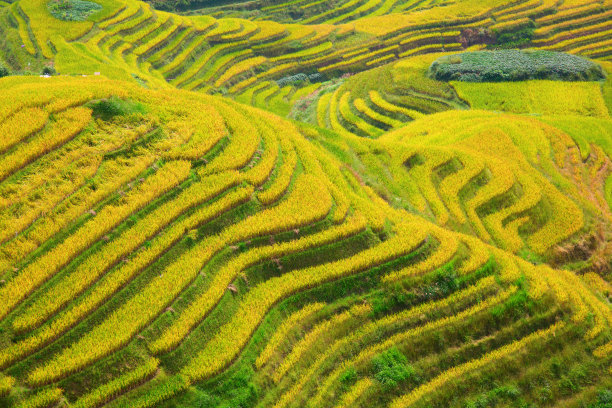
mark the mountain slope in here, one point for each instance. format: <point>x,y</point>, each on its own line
<point>401,241</point>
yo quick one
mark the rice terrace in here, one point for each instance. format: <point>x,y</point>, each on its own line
<point>306,203</point>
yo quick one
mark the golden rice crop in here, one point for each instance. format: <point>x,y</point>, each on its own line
<point>397,319</point>
<point>48,264</point>
<point>448,245</point>
<point>351,316</point>
<point>304,54</point>
<point>368,353</point>
<point>42,399</point>
<point>118,277</point>
<point>126,321</point>
<point>239,69</point>
<point>66,126</point>
<point>223,349</point>
<point>111,175</point>
<point>276,219</point>
<point>260,172</point>
<point>362,107</point>
<point>217,66</point>
<point>19,126</point>
<point>150,183</point>
<point>108,390</point>
<point>6,383</point>
<point>356,391</point>
<point>458,371</point>
<point>322,109</point>
<point>244,143</point>
<point>295,319</point>
<point>379,101</point>
<point>99,262</point>
<point>283,177</point>
<point>344,107</point>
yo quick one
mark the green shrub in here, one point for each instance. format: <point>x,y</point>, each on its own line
<point>514,39</point>
<point>72,10</point>
<point>516,305</point>
<point>348,376</point>
<point>4,71</point>
<point>514,65</point>
<point>390,299</point>
<point>235,391</point>
<point>391,367</point>
<point>494,397</point>
<point>111,107</point>
<point>48,70</point>
<point>604,400</point>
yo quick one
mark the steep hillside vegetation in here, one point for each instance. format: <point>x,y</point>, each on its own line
<point>159,243</point>
<point>229,211</point>
<point>232,55</point>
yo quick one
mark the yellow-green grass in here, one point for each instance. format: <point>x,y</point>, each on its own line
<point>543,97</point>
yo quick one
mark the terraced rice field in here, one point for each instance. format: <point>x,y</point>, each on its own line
<point>234,54</point>
<point>230,208</point>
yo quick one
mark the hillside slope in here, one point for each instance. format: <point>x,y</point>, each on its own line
<point>169,239</point>
<point>128,38</point>
<point>182,216</point>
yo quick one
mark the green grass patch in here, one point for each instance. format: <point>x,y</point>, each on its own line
<point>542,97</point>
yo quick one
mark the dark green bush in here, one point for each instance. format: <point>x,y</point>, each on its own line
<point>517,305</point>
<point>514,39</point>
<point>111,107</point>
<point>348,376</point>
<point>49,71</point>
<point>4,71</point>
<point>391,367</point>
<point>72,10</point>
<point>494,397</point>
<point>604,400</point>
<point>514,65</point>
<point>237,391</point>
<point>183,5</point>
